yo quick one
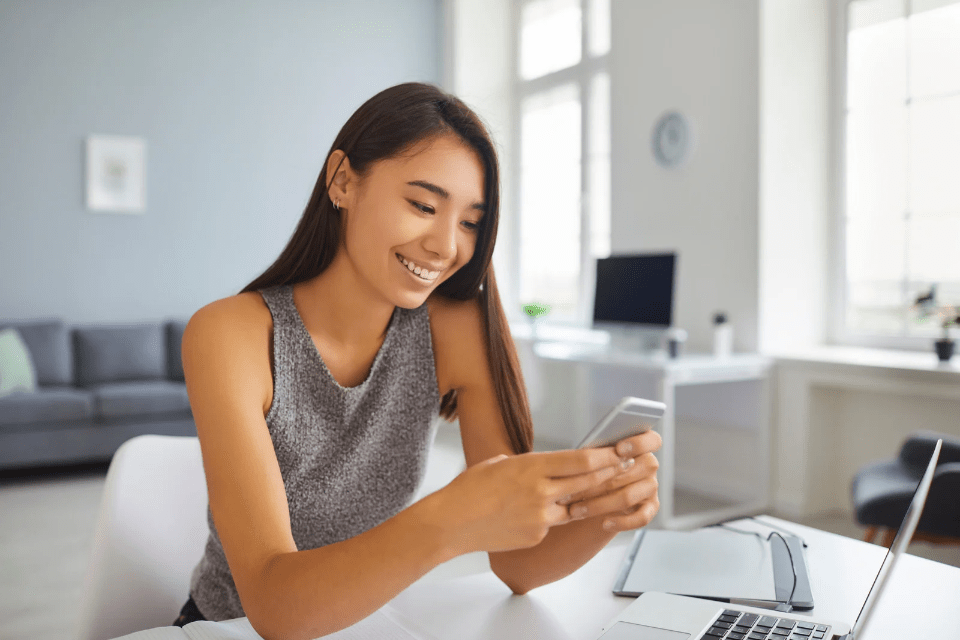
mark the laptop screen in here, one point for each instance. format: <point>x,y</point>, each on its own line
<point>901,542</point>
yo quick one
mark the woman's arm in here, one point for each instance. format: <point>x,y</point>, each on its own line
<point>626,501</point>
<point>495,505</point>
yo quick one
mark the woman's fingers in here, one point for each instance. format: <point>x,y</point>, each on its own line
<point>564,489</point>
<point>555,475</point>
<point>646,442</point>
<point>638,517</point>
<point>642,467</point>
<point>574,462</point>
<point>619,500</point>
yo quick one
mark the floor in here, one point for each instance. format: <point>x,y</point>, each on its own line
<point>47,523</point>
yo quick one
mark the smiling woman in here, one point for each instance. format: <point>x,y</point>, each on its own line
<point>315,392</point>
<point>396,124</point>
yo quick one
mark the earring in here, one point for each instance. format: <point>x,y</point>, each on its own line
<point>336,204</point>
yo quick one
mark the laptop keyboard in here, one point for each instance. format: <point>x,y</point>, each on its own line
<point>736,625</point>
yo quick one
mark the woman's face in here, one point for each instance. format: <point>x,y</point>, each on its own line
<point>412,221</point>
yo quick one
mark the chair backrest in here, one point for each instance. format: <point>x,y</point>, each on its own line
<point>150,534</point>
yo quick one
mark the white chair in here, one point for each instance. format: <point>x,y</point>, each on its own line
<point>150,534</point>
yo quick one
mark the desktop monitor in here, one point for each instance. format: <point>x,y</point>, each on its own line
<point>634,294</point>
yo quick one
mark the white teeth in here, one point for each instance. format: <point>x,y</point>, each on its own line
<point>418,270</point>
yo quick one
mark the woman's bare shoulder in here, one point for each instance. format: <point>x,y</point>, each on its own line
<point>242,310</point>
<point>236,332</point>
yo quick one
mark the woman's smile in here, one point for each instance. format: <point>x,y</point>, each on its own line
<point>420,273</point>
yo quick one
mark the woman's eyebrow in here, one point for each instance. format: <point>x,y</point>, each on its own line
<point>443,193</point>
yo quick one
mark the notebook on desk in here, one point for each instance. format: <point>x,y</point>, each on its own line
<point>721,563</point>
<point>660,616</point>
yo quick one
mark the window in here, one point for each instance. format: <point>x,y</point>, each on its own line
<point>901,178</point>
<point>563,116</point>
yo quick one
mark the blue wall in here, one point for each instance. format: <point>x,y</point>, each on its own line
<point>238,101</point>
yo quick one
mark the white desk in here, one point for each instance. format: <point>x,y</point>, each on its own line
<point>718,409</point>
<point>462,600</point>
<point>474,607</point>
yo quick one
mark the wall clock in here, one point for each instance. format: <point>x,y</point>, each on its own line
<point>671,139</point>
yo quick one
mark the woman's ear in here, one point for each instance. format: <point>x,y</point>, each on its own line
<point>341,180</point>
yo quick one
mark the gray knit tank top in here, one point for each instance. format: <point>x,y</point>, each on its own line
<point>350,458</point>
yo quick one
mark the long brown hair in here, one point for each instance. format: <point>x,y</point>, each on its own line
<point>385,126</point>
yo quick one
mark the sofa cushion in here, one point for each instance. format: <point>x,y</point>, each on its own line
<point>49,344</point>
<point>124,399</point>
<point>118,353</point>
<point>175,330</point>
<point>17,374</point>
<point>46,405</point>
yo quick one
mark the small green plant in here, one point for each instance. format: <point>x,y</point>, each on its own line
<point>535,310</point>
<point>947,315</point>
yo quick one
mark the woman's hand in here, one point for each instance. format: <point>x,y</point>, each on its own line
<point>510,502</point>
<point>629,500</point>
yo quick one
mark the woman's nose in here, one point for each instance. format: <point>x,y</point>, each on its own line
<point>442,239</point>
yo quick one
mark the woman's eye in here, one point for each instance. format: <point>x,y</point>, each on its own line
<point>422,207</point>
<point>473,226</point>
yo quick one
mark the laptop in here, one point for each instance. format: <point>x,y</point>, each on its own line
<point>661,616</point>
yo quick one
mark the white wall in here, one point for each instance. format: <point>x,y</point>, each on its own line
<point>238,102</point>
<point>700,57</point>
<point>795,173</point>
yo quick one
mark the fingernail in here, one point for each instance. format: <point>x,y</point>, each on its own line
<point>608,525</point>
<point>624,449</point>
<point>626,464</point>
<point>578,511</point>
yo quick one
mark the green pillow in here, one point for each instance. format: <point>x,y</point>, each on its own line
<point>16,365</point>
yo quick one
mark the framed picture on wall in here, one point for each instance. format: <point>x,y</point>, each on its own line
<point>116,174</point>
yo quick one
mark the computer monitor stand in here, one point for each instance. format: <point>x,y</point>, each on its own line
<point>648,340</point>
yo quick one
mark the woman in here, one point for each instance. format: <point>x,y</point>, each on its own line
<point>315,388</point>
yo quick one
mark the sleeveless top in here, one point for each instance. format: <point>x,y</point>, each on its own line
<point>350,458</point>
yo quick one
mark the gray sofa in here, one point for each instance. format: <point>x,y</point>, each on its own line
<point>97,386</point>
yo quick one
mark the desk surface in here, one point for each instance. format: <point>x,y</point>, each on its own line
<point>653,360</point>
<point>920,601</point>
<point>464,600</point>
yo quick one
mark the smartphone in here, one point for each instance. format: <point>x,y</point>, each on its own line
<point>629,417</point>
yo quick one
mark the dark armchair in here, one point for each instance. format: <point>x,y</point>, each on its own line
<point>882,491</point>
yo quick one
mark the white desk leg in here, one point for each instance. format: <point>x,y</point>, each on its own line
<point>667,455</point>
<point>765,436</point>
<point>792,480</point>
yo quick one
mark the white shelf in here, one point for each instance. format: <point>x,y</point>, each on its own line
<point>862,357</point>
